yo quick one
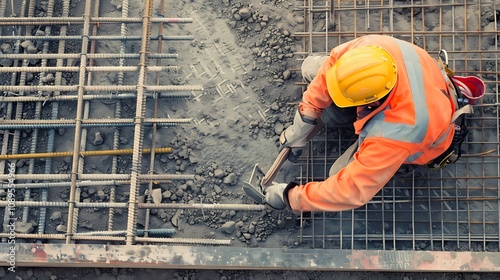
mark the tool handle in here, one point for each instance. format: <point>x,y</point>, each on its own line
<point>273,171</point>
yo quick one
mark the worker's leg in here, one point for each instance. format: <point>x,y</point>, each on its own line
<point>310,66</point>
<point>344,159</point>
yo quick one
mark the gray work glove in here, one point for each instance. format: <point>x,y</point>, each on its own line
<point>296,135</point>
<point>274,196</point>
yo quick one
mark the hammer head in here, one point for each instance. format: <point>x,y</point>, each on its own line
<point>253,187</point>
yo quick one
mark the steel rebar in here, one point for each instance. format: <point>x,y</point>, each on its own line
<point>138,128</point>
<point>9,112</point>
<point>93,55</point>
<point>157,232</point>
<point>47,177</point>
<point>130,88</point>
<point>183,241</point>
<point>117,96</point>
<point>3,6</point>
<point>54,113</point>
<point>241,207</point>
<point>155,115</point>
<point>78,119</point>
<point>86,125</point>
<point>118,108</point>
<point>100,37</point>
<point>67,184</point>
<point>85,21</point>
<point>89,68</point>
<point>123,205</point>
<point>82,153</point>
<point>17,135</point>
<point>40,124</point>
<point>192,241</point>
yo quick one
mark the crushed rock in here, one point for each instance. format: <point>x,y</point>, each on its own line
<point>98,139</point>
<point>156,195</point>
<point>61,228</point>
<point>218,173</point>
<point>55,216</point>
<point>230,179</point>
<point>228,227</point>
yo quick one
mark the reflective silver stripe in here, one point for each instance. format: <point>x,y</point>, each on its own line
<point>442,138</point>
<point>378,127</point>
<point>414,157</point>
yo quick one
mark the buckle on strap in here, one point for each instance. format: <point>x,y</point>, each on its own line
<point>453,153</point>
<point>443,61</point>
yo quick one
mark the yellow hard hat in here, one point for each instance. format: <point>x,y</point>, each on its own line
<point>361,76</point>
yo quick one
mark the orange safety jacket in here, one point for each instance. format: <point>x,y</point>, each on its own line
<point>413,126</point>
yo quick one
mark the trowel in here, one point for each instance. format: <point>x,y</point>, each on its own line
<point>258,182</point>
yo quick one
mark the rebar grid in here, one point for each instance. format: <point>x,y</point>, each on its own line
<point>87,95</point>
<point>455,208</point>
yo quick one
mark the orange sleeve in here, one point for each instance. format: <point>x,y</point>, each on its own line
<point>373,166</point>
<point>316,97</point>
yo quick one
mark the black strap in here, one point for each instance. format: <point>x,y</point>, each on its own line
<point>453,153</point>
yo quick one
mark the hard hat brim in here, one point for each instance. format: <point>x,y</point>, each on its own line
<point>334,90</point>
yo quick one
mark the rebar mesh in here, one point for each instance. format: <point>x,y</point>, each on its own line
<point>455,208</point>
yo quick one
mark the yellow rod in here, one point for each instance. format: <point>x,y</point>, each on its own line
<point>83,154</point>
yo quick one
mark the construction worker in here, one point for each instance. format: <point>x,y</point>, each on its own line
<point>402,105</point>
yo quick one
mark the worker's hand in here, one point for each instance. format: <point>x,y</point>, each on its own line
<point>274,196</point>
<point>296,135</point>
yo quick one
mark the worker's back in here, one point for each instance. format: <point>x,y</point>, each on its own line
<point>412,125</point>
<point>417,114</point>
